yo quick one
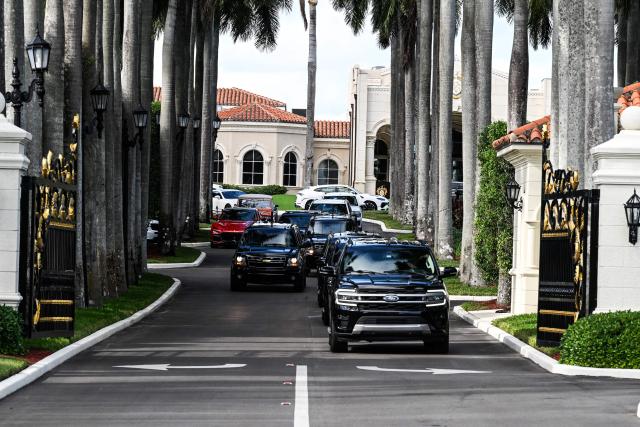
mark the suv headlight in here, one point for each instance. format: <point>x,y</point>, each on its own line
<point>293,262</point>
<point>435,298</point>
<point>310,251</point>
<point>240,261</point>
<point>348,297</point>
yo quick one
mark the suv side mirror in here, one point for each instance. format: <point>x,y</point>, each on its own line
<point>328,270</point>
<point>448,272</point>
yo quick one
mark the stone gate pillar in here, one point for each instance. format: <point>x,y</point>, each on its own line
<point>617,174</point>
<point>526,159</point>
<point>13,165</point>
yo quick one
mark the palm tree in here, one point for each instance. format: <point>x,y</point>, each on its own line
<point>446,49</point>
<point>633,39</point>
<point>311,88</point>
<point>14,41</point>
<point>519,66</point>
<point>2,44</point>
<point>31,112</point>
<point>54,85</point>
<point>621,17</point>
<point>469,137</point>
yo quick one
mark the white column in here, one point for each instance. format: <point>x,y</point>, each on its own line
<point>527,161</point>
<point>617,175</point>
<point>13,165</point>
<point>370,178</point>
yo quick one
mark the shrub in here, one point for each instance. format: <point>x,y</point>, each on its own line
<point>11,340</point>
<point>271,190</point>
<point>607,340</point>
<point>494,218</point>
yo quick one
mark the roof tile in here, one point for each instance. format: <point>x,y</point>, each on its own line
<point>332,129</point>
<point>529,133</point>
<point>258,112</point>
<point>233,97</point>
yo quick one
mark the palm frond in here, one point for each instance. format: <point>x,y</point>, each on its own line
<point>355,12</point>
<point>303,12</point>
<point>540,23</point>
<point>505,9</point>
<point>266,21</point>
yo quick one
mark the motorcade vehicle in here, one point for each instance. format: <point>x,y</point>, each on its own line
<point>152,230</point>
<point>367,201</point>
<point>353,204</point>
<point>269,253</point>
<point>387,290</point>
<point>262,202</point>
<point>225,198</point>
<point>299,218</point>
<point>320,228</point>
<point>330,256</point>
<point>231,223</point>
<point>334,207</point>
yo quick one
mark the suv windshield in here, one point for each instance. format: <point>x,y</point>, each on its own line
<point>266,236</point>
<point>255,203</point>
<point>330,208</point>
<point>323,228</point>
<point>301,221</point>
<point>237,215</point>
<point>351,199</point>
<point>232,194</point>
<point>388,259</point>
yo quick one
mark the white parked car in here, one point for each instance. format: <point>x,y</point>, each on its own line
<point>353,203</point>
<point>367,201</point>
<point>223,199</point>
<point>152,229</point>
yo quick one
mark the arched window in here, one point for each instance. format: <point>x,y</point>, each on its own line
<point>252,168</point>
<point>327,172</point>
<point>289,173</point>
<point>381,161</point>
<point>217,167</point>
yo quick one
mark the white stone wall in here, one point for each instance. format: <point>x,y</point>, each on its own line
<point>13,165</point>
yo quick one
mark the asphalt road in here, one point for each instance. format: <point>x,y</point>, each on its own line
<point>278,335</point>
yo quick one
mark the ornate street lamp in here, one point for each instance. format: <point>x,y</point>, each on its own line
<point>512,193</point>
<point>140,121</point>
<point>38,53</point>
<point>99,100</point>
<point>183,121</point>
<point>632,210</point>
<point>196,122</point>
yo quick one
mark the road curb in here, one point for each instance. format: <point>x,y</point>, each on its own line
<point>384,227</point>
<point>539,358</point>
<point>195,244</point>
<point>38,369</point>
<point>471,298</point>
<point>164,266</point>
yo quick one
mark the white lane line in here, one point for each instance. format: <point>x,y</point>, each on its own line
<point>301,411</point>
<point>166,366</point>
<point>433,371</point>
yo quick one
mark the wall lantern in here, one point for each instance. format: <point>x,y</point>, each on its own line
<point>99,100</point>
<point>512,193</point>
<point>632,209</point>
<point>196,122</point>
<point>217,123</point>
<point>38,52</point>
<point>158,119</point>
<point>140,117</point>
<point>183,121</point>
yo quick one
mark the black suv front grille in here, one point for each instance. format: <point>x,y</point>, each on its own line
<point>392,306</point>
<point>266,263</point>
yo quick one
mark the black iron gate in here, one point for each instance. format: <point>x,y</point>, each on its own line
<point>568,253</point>
<point>47,248</point>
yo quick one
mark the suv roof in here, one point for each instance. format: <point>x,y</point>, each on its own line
<point>239,208</point>
<point>329,217</point>
<point>299,213</point>
<point>388,242</point>
<point>339,193</point>
<point>329,201</point>
<point>279,225</point>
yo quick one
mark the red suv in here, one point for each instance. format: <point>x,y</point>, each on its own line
<point>228,229</point>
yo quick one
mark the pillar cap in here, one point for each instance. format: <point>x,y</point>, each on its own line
<point>630,118</point>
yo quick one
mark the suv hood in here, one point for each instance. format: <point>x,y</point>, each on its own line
<point>390,282</point>
<point>268,251</point>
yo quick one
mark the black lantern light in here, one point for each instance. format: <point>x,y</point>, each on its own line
<point>632,210</point>
<point>183,121</point>
<point>217,123</point>
<point>99,100</point>
<point>512,193</point>
<point>38,52</point>
<point>196,122</point>
<point>140,117</point>
<point>158,118</point>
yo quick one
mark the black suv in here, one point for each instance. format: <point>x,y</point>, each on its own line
<point>387,290</point>
<point>269,253</point>
<point>330,256</point>
<point>320,227</point>
<point>299,218</point>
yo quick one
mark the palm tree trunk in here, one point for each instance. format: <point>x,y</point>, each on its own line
<point>311,94</point>
<point>425,26</point>
<point>146,94</point>
<point>198,108</point>
<point>447,39</point>
<point>556,45</point>
<point>519,66</point>
<point>621,63</point>
<point>32,112</point>
<point>599,125</point>
<point>409,148</point>
<point>398,126</point>
<point>633,40</point>
<point>2,57</point>
<point>469,138</point>
<point>14,42</point>
<point>435,119</point>
<point>167,128</point>
<point>54,84</point>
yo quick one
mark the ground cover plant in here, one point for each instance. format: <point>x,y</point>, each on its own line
<point>182,254</point>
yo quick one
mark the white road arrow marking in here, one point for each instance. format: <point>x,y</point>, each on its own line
<point>165,367</point>
<point>433,371</point>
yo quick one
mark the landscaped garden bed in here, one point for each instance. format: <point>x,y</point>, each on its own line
<point>182,255</point>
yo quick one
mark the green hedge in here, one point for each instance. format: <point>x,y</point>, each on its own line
<point>607,340</point>
<point>494,218</point>
<point>11,340</point>
<point>271,190</point>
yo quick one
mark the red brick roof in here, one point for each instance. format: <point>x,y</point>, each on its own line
<point>258,112</point>
<point>332,129</point>
<point>630,96</point>
<point>530,133</point>
<point>233,97</point>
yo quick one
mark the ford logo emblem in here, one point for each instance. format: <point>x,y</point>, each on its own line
<point>391,298</point>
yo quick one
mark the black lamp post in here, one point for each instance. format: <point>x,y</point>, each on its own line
<point>512,193</point>
<point>99,100</point>
<point>214,136</point>
<point>216,127</point>
<point>38,52</point>
<point>632,210</point>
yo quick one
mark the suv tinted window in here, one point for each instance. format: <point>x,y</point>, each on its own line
<point>265,236</point>
<point>330,208</point>
<point>330,226</point>
<point>351,199</point>
<point>388,259</point>
<point>301,221</point>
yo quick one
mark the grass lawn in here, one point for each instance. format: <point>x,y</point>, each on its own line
<point>183,254</point>
<point>89,320</point>
<point>10,366</point>
<point>388,220</point>
<point>456,287</point>
<point>200,236</point>
<point>523,327</point>
<point>474,305</point>
<point>285,202</point>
